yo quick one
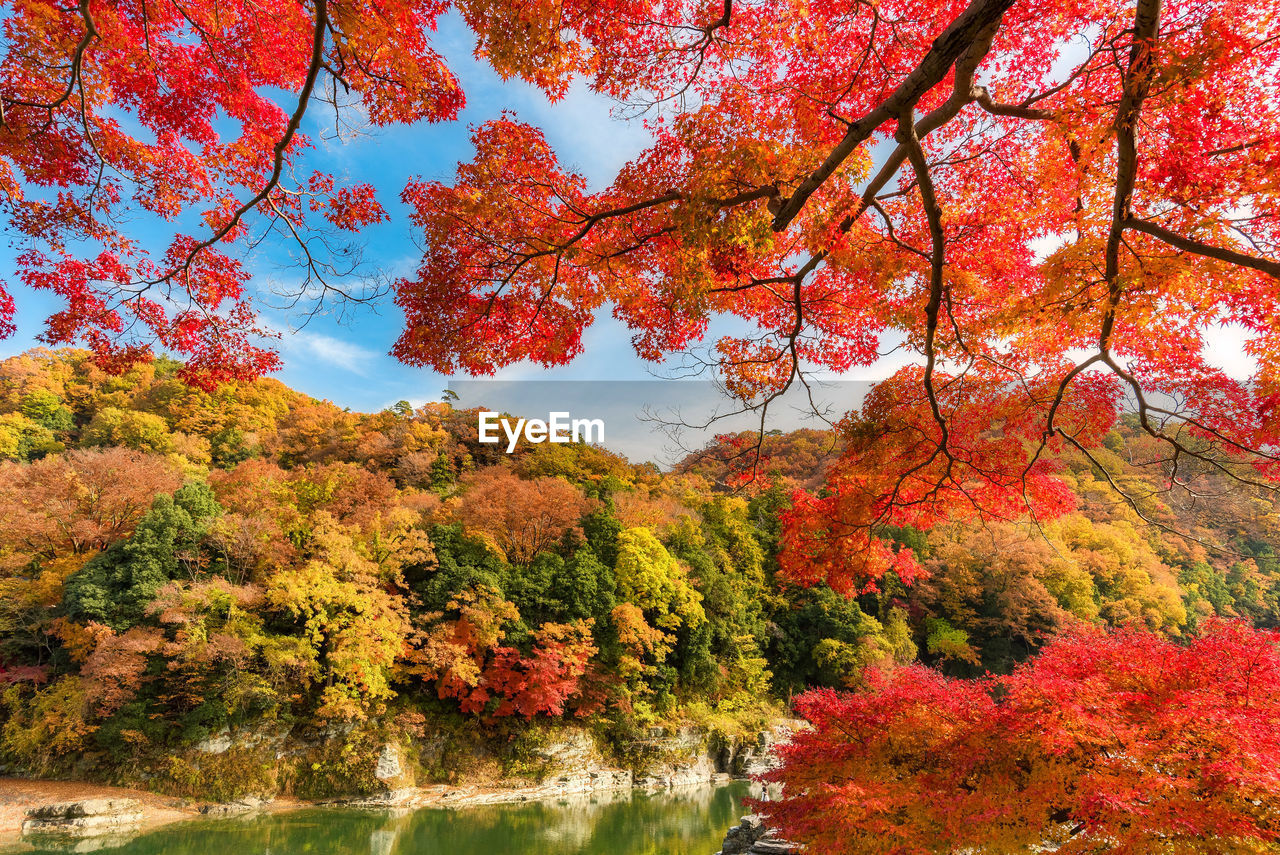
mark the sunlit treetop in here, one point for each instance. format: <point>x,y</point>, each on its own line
<point>1048,203</point>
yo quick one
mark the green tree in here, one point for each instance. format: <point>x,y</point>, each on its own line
<point>586,588</point>
<point>130,428</point>
<point>825,639</point>
<point>726,561</point>
<point>651,578</point>
<point>46,409</point>
<point>24,439</point>
<point>601,529</point>
<point>462,563</point>
<point>116,586</point>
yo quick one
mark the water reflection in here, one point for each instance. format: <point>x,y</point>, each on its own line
<point>691,822</point>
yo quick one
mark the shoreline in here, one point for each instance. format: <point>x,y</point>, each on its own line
<point>18,795</point>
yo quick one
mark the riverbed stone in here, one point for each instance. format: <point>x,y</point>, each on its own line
<point>752,836</point>
<point>391,800</point>
<point>742,836</point>
<point>82,818</point>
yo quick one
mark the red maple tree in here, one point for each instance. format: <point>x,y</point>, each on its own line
<point>1104,743</point>
<point>116,113</point>
<point>1049,204</point>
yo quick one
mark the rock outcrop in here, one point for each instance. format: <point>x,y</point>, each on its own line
<point>246,805</point>
<point>743,836</point>
<point>85,818</point>
<point>759,757</point>
<point>570,762</point>
<point>753,837</point>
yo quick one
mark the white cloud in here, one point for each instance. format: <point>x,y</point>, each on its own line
<point>580,126</point>
<point>306,348</point>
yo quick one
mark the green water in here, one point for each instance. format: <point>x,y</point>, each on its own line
<point>690,822</point>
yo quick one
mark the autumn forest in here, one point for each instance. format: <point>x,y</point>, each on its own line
<point>1023,593</point>
<point>179,563</point>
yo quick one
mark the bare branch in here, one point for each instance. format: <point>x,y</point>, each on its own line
<point>937,260</point>
<point>314,68</point>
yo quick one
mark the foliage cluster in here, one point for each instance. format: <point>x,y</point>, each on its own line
<point>256,561</point>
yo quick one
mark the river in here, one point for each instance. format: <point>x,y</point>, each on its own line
<point>684,822</point>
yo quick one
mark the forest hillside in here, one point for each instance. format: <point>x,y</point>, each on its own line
<point>177,564</point>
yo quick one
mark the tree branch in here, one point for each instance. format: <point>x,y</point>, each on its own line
<point>978,21</point>
<point>906,137</point>
<point>1137,83</point>
<point>77,65</point>
<point>314,68</point>
<point>1265,265</point>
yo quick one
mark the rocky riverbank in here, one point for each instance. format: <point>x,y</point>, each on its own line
<point>752,836</point>
<point>574,768</point>
<point>70,816</point>
<point>571,767</point>
<point>20,797</point>
<point>569,762</point>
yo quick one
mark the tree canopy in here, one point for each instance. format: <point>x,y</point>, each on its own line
<point>1048,204</point>
<point>1117,743</point>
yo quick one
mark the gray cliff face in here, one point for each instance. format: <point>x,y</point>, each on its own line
<point>573,765</point>
<point>570,763</point>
